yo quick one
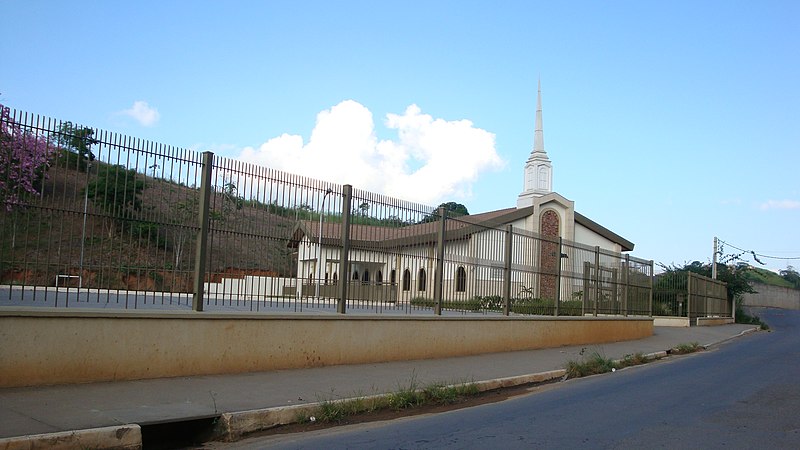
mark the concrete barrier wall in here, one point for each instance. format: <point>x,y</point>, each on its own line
<point>714,321</point>
<point>681,322</point>
<point>54,347</point>
<point>773,297</point>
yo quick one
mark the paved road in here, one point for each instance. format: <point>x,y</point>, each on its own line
<point>744,394</point>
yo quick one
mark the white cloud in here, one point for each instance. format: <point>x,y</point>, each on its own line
<point>143,113</point>
<point>780,204</point>
<point>431,161</point>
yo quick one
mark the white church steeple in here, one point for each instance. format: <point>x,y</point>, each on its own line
<point>538,176</point>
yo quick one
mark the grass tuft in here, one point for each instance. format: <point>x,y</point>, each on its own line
<point>684,349</point>
<point>405,397</point>
<point>593,364</point>
<point>637,359</point>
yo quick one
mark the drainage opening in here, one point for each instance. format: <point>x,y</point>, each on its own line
<point>172,435</point>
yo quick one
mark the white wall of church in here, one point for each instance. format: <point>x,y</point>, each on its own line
<point>480,256</point>
<point>588,237</point>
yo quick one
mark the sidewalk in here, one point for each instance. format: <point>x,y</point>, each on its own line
<point>53,409</point>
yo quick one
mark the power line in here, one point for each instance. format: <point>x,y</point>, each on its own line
<point>789,258</point>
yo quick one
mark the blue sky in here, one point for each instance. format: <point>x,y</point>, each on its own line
<point>667,122</point>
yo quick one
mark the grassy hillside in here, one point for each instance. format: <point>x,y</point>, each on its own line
<point>765,276</point>
<point>150,246</point>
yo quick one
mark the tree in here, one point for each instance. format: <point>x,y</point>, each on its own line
<point>24,159</point>
<point>453,209</point>
<point>185,217</point>
<point>791,275</point>
<point>230,199</point>
<point>79,141</point>
<point>117,191</point>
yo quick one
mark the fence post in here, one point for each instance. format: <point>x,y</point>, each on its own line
<point>626,286</point>
<point>558,278</point>
<point>689,297</point>
<point>437,288</point>
<point>507,271</point>
<point>613,302</point>
<point>202,234</point>
<point>598,278</point>
<point>344,279</point>
<point>650,291</point>
<point>587,282</point>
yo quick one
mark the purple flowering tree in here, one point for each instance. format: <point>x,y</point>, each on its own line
<point>24,159</point>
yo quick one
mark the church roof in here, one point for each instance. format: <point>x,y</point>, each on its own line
<point>375,236</point>
<point>626,245</point>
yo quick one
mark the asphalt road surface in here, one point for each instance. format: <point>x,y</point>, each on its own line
<point>742,394</point>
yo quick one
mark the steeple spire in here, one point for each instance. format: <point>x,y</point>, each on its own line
<point>538,134</point>
<point>538,172</point>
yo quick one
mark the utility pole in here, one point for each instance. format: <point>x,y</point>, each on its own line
<point>714,261</point>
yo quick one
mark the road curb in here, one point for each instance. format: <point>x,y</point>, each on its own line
<point>743,333</point>
<point>233,425</point>
<point>125,437</point>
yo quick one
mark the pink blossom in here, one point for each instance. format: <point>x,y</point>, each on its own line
<point>24,159</point>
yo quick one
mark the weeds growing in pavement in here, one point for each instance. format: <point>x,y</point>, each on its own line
<point>405,397</point>
<point>683,349</point>
<point>593,364</point>
<point>637,359</point>
<point>596,363</point>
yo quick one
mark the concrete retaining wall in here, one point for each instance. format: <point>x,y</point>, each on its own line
<point>714,321</point>
<point>773,297</point>
<point>42,347</point>
<point>663,321</point>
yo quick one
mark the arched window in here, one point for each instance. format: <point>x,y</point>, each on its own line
<point>310,278</point>
<point>406,280</point>
<point>393,277</point>
<point>421,280</point>
<point>543,177</point>
<point>365,278</point>
<point>335,277</point>
<point>461,279</point>
<point>379,277</point>
<point>326,277</point>
<point>355,275</point>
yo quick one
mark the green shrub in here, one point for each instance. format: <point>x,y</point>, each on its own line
<point>530,306</point>
<point>472,304</point>
<point>745,318</point>
<point>594,364</point>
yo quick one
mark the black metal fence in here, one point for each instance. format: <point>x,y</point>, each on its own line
<point>96,219</point>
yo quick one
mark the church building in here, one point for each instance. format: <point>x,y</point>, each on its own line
<point>396,264</point>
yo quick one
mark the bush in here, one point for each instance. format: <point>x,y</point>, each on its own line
<point>530,306</point>
<point>472,304</point>
<point>743,317</point>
